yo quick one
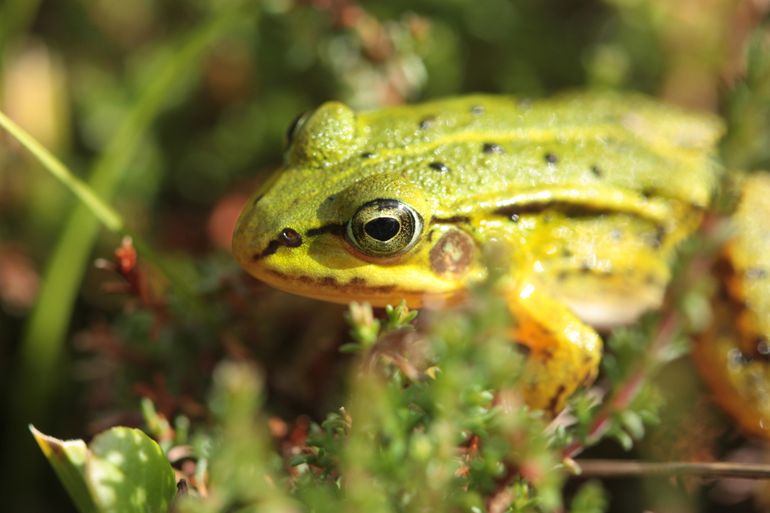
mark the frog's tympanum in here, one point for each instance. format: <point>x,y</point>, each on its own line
<point>584,198</point>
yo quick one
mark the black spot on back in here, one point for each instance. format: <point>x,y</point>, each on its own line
<point>439,166</point>
<point>451,220</point>
<point>491,148</point>
<point>427,122</point>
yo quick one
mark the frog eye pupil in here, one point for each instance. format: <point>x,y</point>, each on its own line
<point>382,228</point>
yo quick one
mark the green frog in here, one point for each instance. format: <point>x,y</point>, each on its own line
<point>579,201</point>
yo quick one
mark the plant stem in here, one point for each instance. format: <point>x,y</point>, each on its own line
<point>619,468</point>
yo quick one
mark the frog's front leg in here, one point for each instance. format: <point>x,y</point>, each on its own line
<point>564,352</point>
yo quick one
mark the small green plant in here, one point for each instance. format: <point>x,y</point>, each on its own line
<point>122,469</point>
<point>432,420</point>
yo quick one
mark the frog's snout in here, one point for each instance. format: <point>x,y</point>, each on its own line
<point>252,240</point>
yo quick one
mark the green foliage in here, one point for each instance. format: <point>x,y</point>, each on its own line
<point>430,423</point>
<point>121,471</point>
<point>127,472</point>
<point>748,113</point>
<point>170,123</point>
<point>244,471</point>
<point>68,459</point>
<point>589,499</point>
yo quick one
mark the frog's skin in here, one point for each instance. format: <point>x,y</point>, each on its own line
<point>581,200</point>
<point>734,354</point>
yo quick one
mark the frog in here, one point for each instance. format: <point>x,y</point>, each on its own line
<point>577,203</point>
<point>733,353</point>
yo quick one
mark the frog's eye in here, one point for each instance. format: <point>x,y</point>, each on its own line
<point>384,228</point>
<point>294,126</point>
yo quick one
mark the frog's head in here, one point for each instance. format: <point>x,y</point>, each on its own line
<point>328,227</point>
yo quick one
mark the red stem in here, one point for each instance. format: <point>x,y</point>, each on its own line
<point>630,388</point>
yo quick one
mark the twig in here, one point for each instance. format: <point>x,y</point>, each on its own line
<point>616,468</point>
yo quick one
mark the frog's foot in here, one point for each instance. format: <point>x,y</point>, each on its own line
<point>734,355</point>
<point>564,353</point>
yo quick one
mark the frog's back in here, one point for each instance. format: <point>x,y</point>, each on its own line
<point>480,145</point>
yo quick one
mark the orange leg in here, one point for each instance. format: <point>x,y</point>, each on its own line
<point>564,352</point>
<point>734,355</point>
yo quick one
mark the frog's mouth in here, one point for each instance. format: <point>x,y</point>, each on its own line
<point>329,288</point>
<point>316,264</point>
<point>345,289</point>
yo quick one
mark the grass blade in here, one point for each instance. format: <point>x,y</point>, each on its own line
<point>43,341</point>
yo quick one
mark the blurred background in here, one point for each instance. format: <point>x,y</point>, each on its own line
<point>175,110</point>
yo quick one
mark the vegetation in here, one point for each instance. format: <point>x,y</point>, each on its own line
<point>161,117</point>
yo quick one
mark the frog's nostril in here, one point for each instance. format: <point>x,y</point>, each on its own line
<point>290,238</point>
